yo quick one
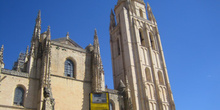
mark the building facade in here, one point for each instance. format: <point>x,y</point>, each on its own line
<point>59,74</point>
<point>137,57</point>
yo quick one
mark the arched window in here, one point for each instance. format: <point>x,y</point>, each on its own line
<point>141,13</point>
<point>152,41</point>
<point>19,96</point>
<point>148,75</point>
<point>141,37</point>
<point>160,76</point>
<point>69,68</point>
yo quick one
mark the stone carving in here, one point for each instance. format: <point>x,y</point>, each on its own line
<point>49,102</point>
<point>98,72</point>
<point>124,91</point>
<point>46,92</point>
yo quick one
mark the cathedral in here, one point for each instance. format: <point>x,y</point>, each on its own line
<point>58,74</point>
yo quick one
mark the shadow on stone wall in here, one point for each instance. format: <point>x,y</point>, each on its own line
<point>32,91</point>
<point>87,85</point>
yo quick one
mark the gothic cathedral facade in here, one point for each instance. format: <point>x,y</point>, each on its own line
<point>59,74</point>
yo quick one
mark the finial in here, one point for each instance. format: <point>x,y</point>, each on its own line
<point>150,14</point>
<point>112,21</point>
<point>95,32</point>
<point>48,32</point>
<point>1,55</point>
<point>148,6</point>
<point>48,29</point>
<point>38,20</point>
<point>2,48</point>
<point>67,35</point>
<point>39,14</point>
<point>27,49</point>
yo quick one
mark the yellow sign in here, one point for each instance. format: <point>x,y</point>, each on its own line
<point>99,101</point>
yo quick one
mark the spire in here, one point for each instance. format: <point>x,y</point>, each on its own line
<point>96,41</point>
<point>1,56</point>
<point>48,33</point>
<point>150,14</point>
<point>112,21</point>
<point>37,28</point>
<point>26,54</point>
<point>38,19</point>
<point>27,50</point>
<point>98,72</point>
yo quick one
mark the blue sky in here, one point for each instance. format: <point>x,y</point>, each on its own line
<point>189,31</point>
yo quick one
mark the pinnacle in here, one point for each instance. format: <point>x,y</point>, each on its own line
<point>2,48</point>
<point>48,28</point>
<point>27,49</point>
<point>39,14</point>
<point>112,12</point>
<point>95,32</point>
<point>67,35</point>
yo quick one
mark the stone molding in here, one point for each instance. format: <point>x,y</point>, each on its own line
<point>69,78</point>
<point>16,107</point>
<point>68,47</point>
<point>15,73</point>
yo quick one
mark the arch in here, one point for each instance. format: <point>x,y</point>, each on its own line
<point>160,76</point>
<point>161,93</point>
<point>111,105</point>
<point>19,95</point>
<point>151,106</point>
<point>165,94</point>
<point>141,37</point>
<point>148,74</point>
<point>164,107</point>
<point>141,13</point>
<point>152,41</point>
<point>149,91</point>
<point>69,68</point>
<point>152,91</point>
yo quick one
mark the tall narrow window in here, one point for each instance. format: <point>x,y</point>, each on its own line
<point>141,13</point>
<point>160,76</point>
<point>148,75</point>
<point>69,68</point>
<point>152,41</point>
<point>118,46</point>
<point>19,96</point>
<point>141,37</point>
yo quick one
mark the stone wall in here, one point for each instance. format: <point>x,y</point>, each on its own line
<point>12,79</point>
<point>69,92</point>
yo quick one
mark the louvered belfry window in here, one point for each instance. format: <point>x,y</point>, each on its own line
<point>19,96</point>
<point>69,68</point>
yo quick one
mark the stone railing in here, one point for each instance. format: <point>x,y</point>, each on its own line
<point>15,73</point>
<point>112,91</point>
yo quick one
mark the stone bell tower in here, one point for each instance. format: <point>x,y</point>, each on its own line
<point>137,57</point>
